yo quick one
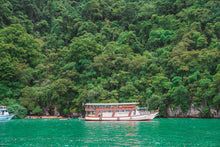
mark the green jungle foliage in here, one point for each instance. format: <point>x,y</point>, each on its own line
<point>56,55</point>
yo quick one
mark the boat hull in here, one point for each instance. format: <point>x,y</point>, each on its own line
<point>147,117</point>
<point>6,117</point>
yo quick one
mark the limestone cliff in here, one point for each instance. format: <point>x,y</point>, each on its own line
<point>193,111</point>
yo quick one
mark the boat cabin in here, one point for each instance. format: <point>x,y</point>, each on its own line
<point>111,109</point>
<point>3,110</point>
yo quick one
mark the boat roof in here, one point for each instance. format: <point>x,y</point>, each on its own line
<point>109,104</point>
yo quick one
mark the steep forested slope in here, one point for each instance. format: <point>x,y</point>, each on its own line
<point>56,55</point>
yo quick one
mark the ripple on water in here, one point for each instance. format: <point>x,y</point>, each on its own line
<point>160,132</point>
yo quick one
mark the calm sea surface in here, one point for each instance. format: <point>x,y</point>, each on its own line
<point>159,132</point>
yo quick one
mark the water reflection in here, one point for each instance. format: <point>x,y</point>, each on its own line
<point>118,133</point>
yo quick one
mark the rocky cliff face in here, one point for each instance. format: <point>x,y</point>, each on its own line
<point>194,112</point>
<point>215,113</point>
<point>47,111</point>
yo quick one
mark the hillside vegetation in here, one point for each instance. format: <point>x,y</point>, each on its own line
<point>57,54</point>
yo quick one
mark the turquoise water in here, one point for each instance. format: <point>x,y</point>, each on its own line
<point>159,132</point>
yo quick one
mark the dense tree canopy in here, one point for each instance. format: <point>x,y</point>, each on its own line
<point>56,55</point>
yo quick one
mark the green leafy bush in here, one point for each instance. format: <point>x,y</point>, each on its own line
<point>17,109</point>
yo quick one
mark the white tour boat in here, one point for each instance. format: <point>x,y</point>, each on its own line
<point>4,115</point>
<point>117,112</point>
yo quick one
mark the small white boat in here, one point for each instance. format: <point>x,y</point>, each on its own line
<point>117,112</point>
<point>4,115</point>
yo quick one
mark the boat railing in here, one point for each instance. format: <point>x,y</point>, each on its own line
<point>148,112</point>
<point>153,111</point>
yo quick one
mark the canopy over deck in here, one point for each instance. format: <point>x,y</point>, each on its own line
<point>110,104</point>
<point>143,108</point>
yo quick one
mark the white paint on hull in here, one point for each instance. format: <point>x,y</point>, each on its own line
<point>6,117</point>
<point>146,117</point>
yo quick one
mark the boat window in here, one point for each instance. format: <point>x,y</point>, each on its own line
<point>91,112</point>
